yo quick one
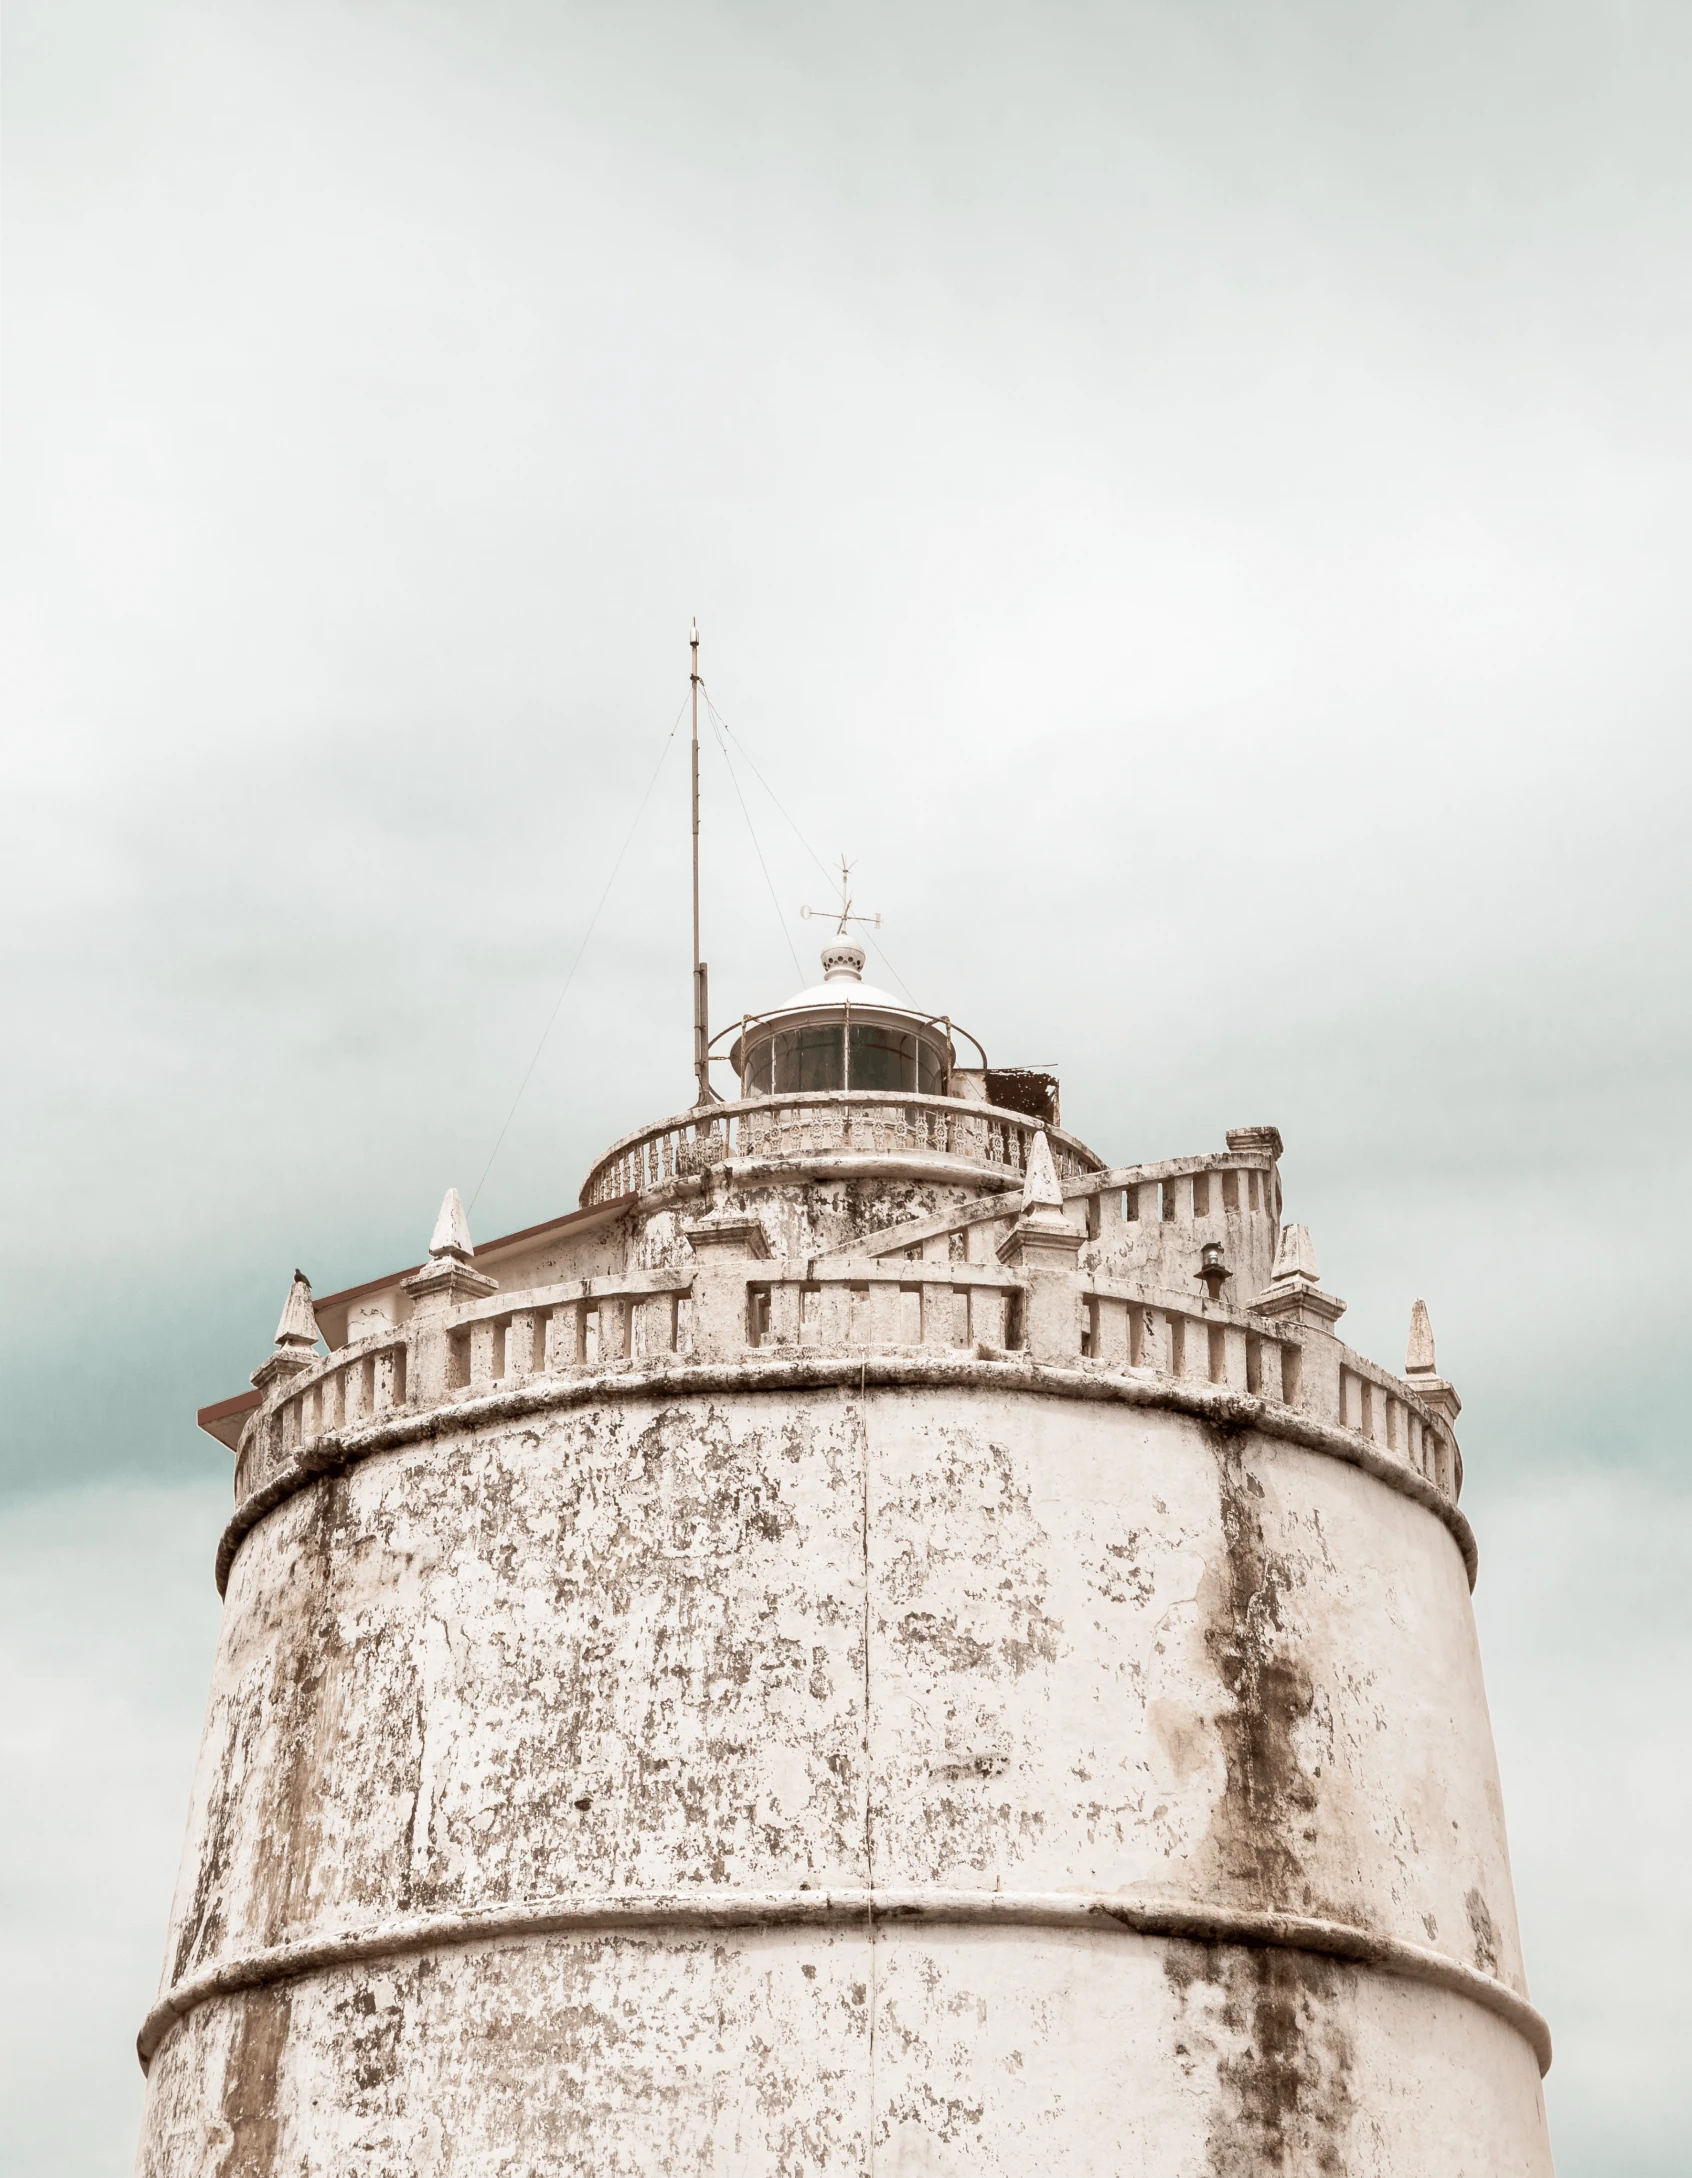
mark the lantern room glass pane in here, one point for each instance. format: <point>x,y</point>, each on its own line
<point>896,1059</point>
<point>807,1059</point>
<point>797,1061</point>
<point>882,1058</point>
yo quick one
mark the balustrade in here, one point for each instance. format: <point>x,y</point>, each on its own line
<point>838,1305</point>
<point>1181,1191</point>
<point>347,1389</point>
<point>596,1322</point>
<point>1373,1403</point>
<point>829,1124</point>
<point>956,1305</point>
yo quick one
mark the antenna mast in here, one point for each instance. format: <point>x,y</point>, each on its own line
<point>701,1010</point>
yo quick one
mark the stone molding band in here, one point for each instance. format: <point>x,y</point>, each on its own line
<point>655,1912</point>
<point>1221,1408</point>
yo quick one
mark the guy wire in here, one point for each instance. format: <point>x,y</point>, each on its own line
<point>798,835</point>
<point>593,925</point>
<point>752,829</point>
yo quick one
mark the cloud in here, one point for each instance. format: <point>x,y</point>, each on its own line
<point>108,1617</point>
<point>1582,1608</point>
<point>1193,500</point>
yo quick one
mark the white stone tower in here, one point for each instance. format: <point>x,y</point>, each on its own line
<point>878,1644</point>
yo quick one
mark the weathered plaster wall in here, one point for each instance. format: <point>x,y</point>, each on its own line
<point>754,1644</point>
<point>1032,2053</point>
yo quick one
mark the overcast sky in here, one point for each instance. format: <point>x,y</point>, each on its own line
<point>1196,500</point>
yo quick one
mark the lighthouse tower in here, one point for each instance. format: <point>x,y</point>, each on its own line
<point>879,1643</point>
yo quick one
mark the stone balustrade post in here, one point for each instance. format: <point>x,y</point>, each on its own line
<point>431,1361</point>
<point>482,1337</point>
<point>1044,1246</point>
<point>613,1328</point>
<point>784,1313</point>
<point>521,1357</point>
<point>835,1314</point>
<point>388,1380</point>
<point>1111,1333</point>
<point>884,1312</point>
<point>566,1339</point>
<point>939,1305</point>
<point>1154,1346</point>
<point>987,1316</point>
<point>446,1280</point>
<point>1263,1367</point>
<point>655,1325</point>
<point>725,1248</point>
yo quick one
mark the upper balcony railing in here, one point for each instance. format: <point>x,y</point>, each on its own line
<point>844,1306</point>
<point>828,1123</point>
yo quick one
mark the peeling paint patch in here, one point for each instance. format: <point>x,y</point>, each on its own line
<point>1284,2061</point>
<point>1484,1931</point>
<point>1252,1639</point>
<point>250,2100</point>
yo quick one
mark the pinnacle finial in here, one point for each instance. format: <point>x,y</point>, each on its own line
<point>1040,1189</point>
<point>452,1229</point>
<point>1296,1256</point>
<point>298,1328</point>
<point>1419,1355</point>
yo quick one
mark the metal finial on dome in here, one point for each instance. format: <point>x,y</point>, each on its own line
<point>843,962</point>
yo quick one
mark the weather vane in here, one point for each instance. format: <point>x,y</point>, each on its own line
<point>845,910</point>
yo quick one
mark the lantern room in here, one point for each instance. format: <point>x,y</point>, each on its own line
<point>844,1034</point>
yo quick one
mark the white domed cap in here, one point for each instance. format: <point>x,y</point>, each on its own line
<point>843,985</point>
